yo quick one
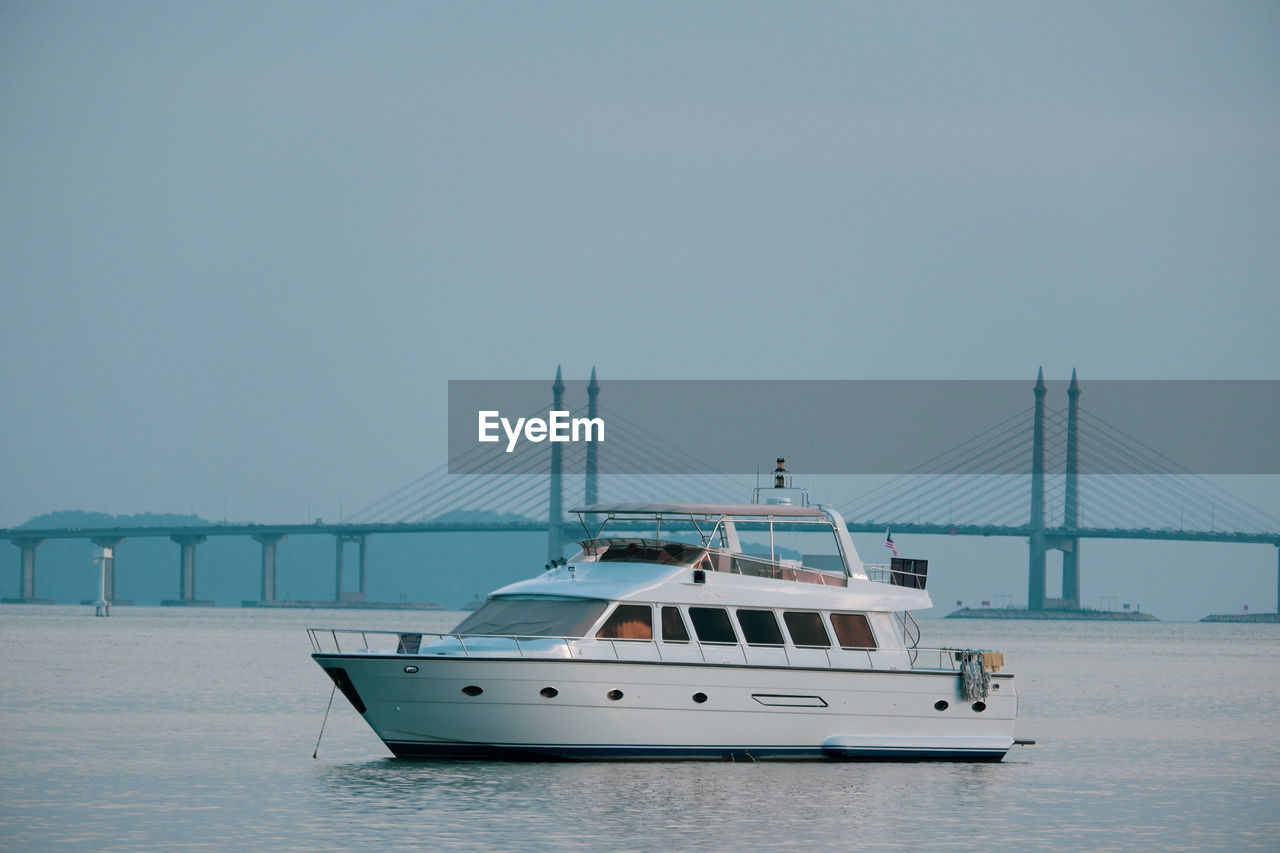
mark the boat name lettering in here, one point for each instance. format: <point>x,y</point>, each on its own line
<point>557,426</point>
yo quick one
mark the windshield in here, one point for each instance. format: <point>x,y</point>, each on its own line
<point>813,546</point>
<point>663,553</point>
<point>534,617</point>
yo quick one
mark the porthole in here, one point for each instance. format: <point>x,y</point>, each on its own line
<point>410,669</point>
<point>995,687</point>
<point>979,706</point>
<point>699,698</point>
<point>471,690</point>
<point>615,695</point>
<point>549,692</point>
<point>941,705</point>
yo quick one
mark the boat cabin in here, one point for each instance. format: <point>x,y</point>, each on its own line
<point>681,581</point>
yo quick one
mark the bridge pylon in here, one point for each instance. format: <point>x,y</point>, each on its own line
<point>591,492</point>
<point>1070,545</point>
<point>1036,541</point>
<point>1042,539</point>
<point>555,506</point>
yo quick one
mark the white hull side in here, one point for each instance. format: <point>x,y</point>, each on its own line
<point>760,712</point>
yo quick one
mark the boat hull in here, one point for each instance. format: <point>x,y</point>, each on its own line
<point>529,708</point>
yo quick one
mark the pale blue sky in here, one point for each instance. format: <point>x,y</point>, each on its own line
<point>245,245</point>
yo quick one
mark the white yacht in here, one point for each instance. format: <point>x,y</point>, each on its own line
<point>686,631</point>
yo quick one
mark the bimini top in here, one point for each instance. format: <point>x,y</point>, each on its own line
<point>757,510</point>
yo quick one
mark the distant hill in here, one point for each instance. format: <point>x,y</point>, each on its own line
<point>74,518</point>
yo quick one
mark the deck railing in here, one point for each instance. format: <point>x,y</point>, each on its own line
<point>417,645</point>
<point>905,573</point>
<point>896,575</point>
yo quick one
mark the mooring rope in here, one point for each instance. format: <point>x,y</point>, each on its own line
<point>326,719</point>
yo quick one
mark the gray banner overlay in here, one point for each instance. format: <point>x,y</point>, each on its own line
<point>873,427</point>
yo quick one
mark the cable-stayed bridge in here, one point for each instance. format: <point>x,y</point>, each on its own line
<point>1056,505</point>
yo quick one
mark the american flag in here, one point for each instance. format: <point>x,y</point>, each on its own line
<point>888,543</point>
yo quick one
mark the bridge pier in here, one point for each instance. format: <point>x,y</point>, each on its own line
<point>268,541</point>
<point>342,539</point>
<point>1070,549</point>
<point>27,574</point>
<point>187,572</point>
<point>1037,571</point>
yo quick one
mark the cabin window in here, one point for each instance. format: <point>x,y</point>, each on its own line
<point>628,622</point>
<point>760,627</point>
<point>534,617</point>
<point>806,629</point>
<point>853,631</point>
<point>673,629</point>
<point>712,625</point>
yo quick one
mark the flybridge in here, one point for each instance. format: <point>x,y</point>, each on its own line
<point>741,533</point>
<point>557,427</point>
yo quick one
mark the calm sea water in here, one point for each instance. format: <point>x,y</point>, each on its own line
<point>194,729</point>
